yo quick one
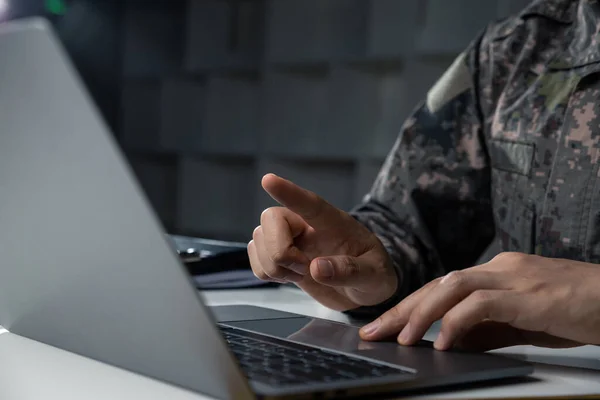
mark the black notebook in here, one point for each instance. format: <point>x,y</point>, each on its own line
<point>216,264</point>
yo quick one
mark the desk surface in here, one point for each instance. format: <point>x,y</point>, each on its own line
<point>32,371</point>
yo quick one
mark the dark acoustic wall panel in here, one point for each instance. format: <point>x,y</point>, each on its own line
<point>153,38</point>
<point>224,34</point>
<point>314,90</point>
<point>451,25</point>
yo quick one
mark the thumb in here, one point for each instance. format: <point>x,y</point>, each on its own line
<point>354,272</point>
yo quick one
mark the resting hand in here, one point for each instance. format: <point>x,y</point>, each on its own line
<point>512,300</point>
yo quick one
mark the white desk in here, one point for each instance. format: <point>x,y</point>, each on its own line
<point>32,371</point>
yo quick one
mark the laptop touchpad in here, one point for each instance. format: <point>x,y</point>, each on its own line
<point>311,331</point>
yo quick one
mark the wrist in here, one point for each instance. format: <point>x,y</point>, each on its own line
<point>368,312</point>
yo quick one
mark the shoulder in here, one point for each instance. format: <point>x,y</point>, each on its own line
<point>539,20</point>
<point>513,45</point>
<point>517,45</point>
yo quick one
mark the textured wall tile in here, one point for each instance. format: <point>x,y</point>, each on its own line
<point>224,34</point>
<point>451,25</point>
<point>315,30</point>
<point>140,115</point>
<point>153,40</point>
<point>393,27</point>
<point>232,115</point>
<point>215,197</point>
<point>158,178</point>
<point>295,113</point>
<point>182,112</point>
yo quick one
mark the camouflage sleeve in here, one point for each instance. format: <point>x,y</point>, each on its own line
<point>430,204</point>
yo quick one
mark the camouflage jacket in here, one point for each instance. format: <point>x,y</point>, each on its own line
<point>503,153</point>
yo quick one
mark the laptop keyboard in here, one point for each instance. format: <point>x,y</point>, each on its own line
<point>268,360</point>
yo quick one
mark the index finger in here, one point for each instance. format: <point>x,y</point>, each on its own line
<point>392,321</point>
<point>313,209</point>
<point>450,291</point>
<point>483,305</point>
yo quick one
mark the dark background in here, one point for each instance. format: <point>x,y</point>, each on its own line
<point>205,96</point>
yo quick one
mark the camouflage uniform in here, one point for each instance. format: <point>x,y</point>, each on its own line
<point>504,151</point>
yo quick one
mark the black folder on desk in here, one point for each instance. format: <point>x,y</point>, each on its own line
<point>216,264</point>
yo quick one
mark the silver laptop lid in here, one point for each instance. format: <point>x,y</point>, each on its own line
<point>84,264</point>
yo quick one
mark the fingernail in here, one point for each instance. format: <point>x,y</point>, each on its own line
<point>371,328</point>
<point>325,268</point>
<point>405,334</point>
<point>299,268</point>
<point>440,342</point>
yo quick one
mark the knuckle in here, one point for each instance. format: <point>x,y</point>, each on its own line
<point>511,258</point>
<point>260,274</point>
<point>269,213</point>
<point>275,272</point>
<point>435,281</point>
<point>278,257</point>
<point>431,284</point>
<point>394,313</point>
<point>455,279</point>
<point>256,233</point>
<point>252,255</point>
<point>500,257</point>
<point>389,319</point>
<point>282,256</point>
<point>418,315</point>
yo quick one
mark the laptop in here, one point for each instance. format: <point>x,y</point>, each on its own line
<point>101,279</point>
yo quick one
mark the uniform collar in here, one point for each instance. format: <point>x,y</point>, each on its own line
<point>584,38</point>
<point>560,10</point>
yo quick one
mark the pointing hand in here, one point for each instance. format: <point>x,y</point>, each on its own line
<point>322,249</point>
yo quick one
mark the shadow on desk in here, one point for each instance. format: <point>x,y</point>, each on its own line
<point>487,385</point>
<point>558,362</point>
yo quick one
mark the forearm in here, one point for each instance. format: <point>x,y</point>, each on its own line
<point>431,203</point>
<point>415,262</point>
